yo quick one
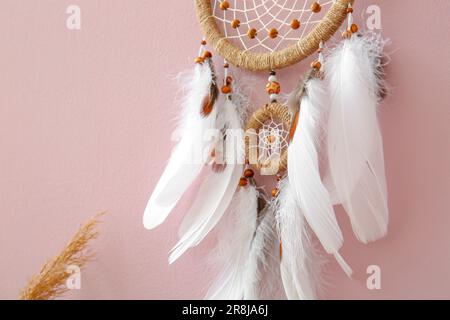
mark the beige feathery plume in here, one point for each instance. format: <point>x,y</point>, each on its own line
<point>50,282</point>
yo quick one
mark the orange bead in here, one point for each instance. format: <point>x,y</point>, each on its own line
<point>349,10</point>
<point>235,23</point>
<point>273,88</point>
<point>271,139</point>
<point>316,7</point>
<point>243,182</point>
<point>226,89</point>
<point>295,24</point>
<point>199,60</point>
<point>275,192</point>
<point>249,173</point>
<point>273,33</point>
<point>224,5</point>
<point>207,55</point>
<point>252,33</point>
<point>316,65</point>
<point>354,28</point>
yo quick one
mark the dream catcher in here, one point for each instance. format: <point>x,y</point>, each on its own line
<point>323,145</point>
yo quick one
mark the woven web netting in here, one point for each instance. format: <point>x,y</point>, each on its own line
<point>264,16</point>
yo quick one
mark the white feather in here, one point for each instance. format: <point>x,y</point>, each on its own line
<point>304,175</point>
<point>262,272</point>
<point>216,192</point>
<point>234,244</point>
<point>301,264</point>
<point>187,158</point>
<point>355,148</point>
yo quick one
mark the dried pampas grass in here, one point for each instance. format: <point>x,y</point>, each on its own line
<point>51,280</point>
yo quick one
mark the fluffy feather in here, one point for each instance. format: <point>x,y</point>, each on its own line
<point>354,147</point>
<point>263,254</point>
<point>234,245</point>
<point>301,263</point>
<point>216,192</point>
<point>303,171</point>
<point>187,158</point>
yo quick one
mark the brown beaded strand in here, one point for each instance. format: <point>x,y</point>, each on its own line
<point>351,27</point>
<point>273,87</point>
<point>203,53</point>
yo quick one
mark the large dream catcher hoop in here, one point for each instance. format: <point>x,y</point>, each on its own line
<point>323,145</point>
<point>261,34</point>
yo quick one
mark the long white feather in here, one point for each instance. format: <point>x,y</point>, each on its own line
<point>187,158</point>
<point>262,268</point>
<point>233,248</point>
<point>262,281</point>
<point>216,192</point>
<point>301,263</point>
<point>304,175</point>
<point>355,148</point>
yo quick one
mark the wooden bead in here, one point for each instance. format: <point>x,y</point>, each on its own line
<point>252,33</point>
<point>207,55</point>
<point>226,89</point>
<point>273,33</point>
<point>226,65</point>
<point>271,139</point>
<point>203,42</point>
<point>316,65</point>
<point>235,23</point>
<point>199,60</point>
<point>349,10</point>
<point>249,173</point>
<point>295,24</point>
<point>273,87</point>
<point>229,80</point>
<point>243,182</point>
<point>275,192</point>
<point>354,28</point>
<point>224,5</point>
<point>316,7</point>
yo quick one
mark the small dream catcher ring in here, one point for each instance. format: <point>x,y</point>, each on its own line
<point>276,59</point>
<point>267,138</point>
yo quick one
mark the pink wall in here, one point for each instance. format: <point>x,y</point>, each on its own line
<point>85,123</point>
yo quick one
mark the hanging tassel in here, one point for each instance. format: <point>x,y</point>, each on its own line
<point>217,190</point>
<point>234,245</point>
<point>354,147</point>
<point>301,263</point>
<point>187,159</point>
<point>303,171</point>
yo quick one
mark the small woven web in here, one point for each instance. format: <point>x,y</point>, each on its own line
<point>272,140</point>
<point>264,15</point>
